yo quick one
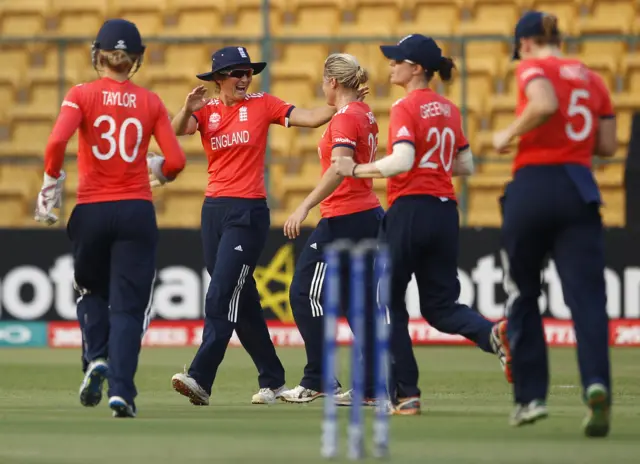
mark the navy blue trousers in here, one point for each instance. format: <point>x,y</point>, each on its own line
<point>234,232</point>
<point>544,215</point>
<point>422,234</point>
<point>114,249</point>
<point>306,291</point>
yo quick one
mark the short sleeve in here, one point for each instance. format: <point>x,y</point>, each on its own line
<point>605,109</point>
<point>401,125</point>
<point>201,116</point>
<point>461,139</point>
<point>278,111</point>
<point>343,131</point>
<point>73,98</point>
<point>528,71</point>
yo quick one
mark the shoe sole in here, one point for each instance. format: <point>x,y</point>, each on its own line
<point>597,423</point>
<point>91,394</point>
<point>504,340</point>
<point>184,390</point>
<point>302,400</point>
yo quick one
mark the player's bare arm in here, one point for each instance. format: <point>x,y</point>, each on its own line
<point>398,162</point>
<point>328,184</point>
<point>606,140</point>
<point>184,123</point>
<point>463,164</point>
<point>317,117</point>
<point>542,103</point>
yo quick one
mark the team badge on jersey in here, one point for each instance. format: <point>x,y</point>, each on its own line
<point>243,114</point>
<point>214,121</point>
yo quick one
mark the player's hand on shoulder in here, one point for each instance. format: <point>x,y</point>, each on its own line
<point>154,167</point>
<point>196,99</point>
<point>362,93</point>
<point>50,197</point>
<point>292,226</point>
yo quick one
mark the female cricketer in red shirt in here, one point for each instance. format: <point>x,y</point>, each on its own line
<point>427,147</point>
<point>113,226</point>
<point>551,207</point>
<point>235,217</point>
<point>349,208</point>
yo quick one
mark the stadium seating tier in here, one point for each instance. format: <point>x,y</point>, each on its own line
<point>31,88</point>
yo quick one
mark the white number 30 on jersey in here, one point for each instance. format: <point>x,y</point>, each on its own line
<point>119,145</point>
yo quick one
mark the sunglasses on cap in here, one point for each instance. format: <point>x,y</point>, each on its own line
<point>238,73</point>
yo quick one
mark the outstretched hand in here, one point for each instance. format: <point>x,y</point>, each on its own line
<point>196,100</point>
<point>362,93</point>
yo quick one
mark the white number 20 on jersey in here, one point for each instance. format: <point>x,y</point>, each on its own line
<point>444,141</point>
<point>120,144</point>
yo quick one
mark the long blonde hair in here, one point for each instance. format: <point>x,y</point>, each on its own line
<point>346,70</point>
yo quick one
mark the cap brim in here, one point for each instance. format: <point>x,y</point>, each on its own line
<point>393,52</point>
<point>208,76</point>
<point>257,69</point>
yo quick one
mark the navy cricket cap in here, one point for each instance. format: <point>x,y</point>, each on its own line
<point>530,25</point>
<point>119,34</point>
<point>228,57</point>
<point>417,49</point>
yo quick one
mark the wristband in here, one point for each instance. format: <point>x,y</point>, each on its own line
<point>353,172</point>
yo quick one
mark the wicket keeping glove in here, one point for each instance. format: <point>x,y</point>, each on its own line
<point>50,197</point>
<point>154,164</point>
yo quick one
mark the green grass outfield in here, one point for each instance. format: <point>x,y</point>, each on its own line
<point>466,404</point>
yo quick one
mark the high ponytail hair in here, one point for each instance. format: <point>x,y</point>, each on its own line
<point>445,69</point>
<point>551,32</point>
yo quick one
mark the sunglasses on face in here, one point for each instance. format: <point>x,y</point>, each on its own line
<point>238,73</point>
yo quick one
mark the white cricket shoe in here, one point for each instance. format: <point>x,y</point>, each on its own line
<point>267,395</point>
<point>346,398</point>
<point>300,394</point>
<point>187,386</point>
<point>91,388</point>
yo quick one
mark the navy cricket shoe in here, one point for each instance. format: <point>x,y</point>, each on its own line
<point>91,387</point>
<point>121,408</point>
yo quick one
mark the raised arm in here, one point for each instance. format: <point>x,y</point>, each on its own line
<point>185,123</point>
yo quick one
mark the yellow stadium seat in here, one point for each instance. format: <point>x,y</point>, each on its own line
<point>195,17</point>
<point>148,15</point>
<point>79,17</point>
<point>383,132</point>
<point>171,88</point>
<point>190,58</point>
<point>312,18</point>
<point>13,205</point>
<point>9,82</point>
<point>492,15</point>
<point>15,58</point>
<point>30,133</point>
<point>608,17</point>
<point>370,18</point>
<point>295,91</point>
<point>306,143</point>
<point>623,125</point>
<point>243,18</point>
<point>483,199</point>
<point>300,60</point>
<point>280,140</point>
<point>23,17</point>
<point>432,17</point>
<point>630,69</point>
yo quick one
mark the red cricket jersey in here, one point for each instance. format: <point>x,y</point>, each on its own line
<point>235,140</point>
<point>116,121</point>
<point>353,126</point>
<point>569,136</point>
<point>433,125</point>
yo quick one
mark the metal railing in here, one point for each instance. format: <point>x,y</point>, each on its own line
<point>268,41</point>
